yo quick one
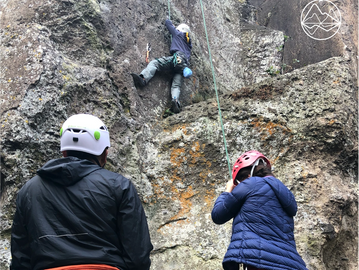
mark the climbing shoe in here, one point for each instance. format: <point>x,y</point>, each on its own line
<point>175,106</point>
<point>138,80</point>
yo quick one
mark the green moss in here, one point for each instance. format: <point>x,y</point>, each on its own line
<point>313,245</point>
<point>91,13</point>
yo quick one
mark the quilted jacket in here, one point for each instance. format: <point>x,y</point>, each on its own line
<point>262,209</point>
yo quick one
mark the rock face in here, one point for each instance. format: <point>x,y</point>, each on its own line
<point>286,16</point>
<point>64,57</point>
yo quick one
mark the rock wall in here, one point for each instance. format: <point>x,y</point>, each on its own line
<point>61,57</point>
<point>285,16</point>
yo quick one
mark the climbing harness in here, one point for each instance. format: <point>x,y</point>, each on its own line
<point>179,62</point>
<point>177,59</point>
<point>215,88</point>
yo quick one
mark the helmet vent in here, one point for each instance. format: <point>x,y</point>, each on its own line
<point>75,130</point>
<point>103,128</point>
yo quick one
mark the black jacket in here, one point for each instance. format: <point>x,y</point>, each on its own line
<point>75,212</point>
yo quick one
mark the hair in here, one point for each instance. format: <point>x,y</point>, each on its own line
<point>81,155</point>
<point>261,170</point>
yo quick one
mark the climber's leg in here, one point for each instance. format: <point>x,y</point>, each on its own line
<point>175,92</point>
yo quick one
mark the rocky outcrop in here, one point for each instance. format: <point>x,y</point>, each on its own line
<point>286,16</point>
<point>299,120</point>
<point>64,57</point>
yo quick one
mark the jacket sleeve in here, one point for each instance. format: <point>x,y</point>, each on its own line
<point>228,204</point>
<point>171,27</point>
<point>20,247</point>
<point>133,230</point>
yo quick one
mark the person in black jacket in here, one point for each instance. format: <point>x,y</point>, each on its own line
<point>76,214</point>
<point>178,63</point>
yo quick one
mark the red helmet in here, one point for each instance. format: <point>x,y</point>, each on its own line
<point>247,159</point>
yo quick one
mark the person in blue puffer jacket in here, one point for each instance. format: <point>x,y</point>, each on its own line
<point>262,208</point>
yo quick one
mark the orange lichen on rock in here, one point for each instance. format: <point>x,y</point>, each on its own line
<point>209,198</point>
<point>158,191</point>
<point>269,127</point>
<point>331,122</point>
<point>177,156</point>
<point>184,198</point>
<point>173,128</point>
<point>195,153</point>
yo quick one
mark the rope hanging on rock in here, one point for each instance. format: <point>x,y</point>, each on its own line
<point>169,13</point>
<point>169,10</point>
<point>215,88</point>
<point>214,81</point>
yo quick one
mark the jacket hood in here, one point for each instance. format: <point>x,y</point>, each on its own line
<point>67,171</point>
<point>283,194</point>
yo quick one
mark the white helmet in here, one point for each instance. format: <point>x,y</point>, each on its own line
<point>183,28</point>
<point>84,133</point>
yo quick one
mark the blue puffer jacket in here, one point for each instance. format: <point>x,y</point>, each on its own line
<point>262,230</point>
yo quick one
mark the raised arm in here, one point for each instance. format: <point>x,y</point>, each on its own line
<point>171,27</point>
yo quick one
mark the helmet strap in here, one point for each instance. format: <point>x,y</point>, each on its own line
<point>256,164</point>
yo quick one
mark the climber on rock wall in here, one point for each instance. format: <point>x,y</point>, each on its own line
<point>262,208</point>
<point>178,63</point>
<point>74,214</point>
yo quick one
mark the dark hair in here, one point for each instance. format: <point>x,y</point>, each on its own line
<point>81,155</point>
<point>261,170</point>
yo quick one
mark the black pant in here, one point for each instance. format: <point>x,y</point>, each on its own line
<point>230,266</point>
<point>235,266</point>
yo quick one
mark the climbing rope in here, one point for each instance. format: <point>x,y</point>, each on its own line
<point>169,10</point>
<point>214,81</point>
<point>169,13</point>
<point>215,88</point>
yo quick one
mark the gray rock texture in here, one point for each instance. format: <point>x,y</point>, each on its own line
<point>61,57</point>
